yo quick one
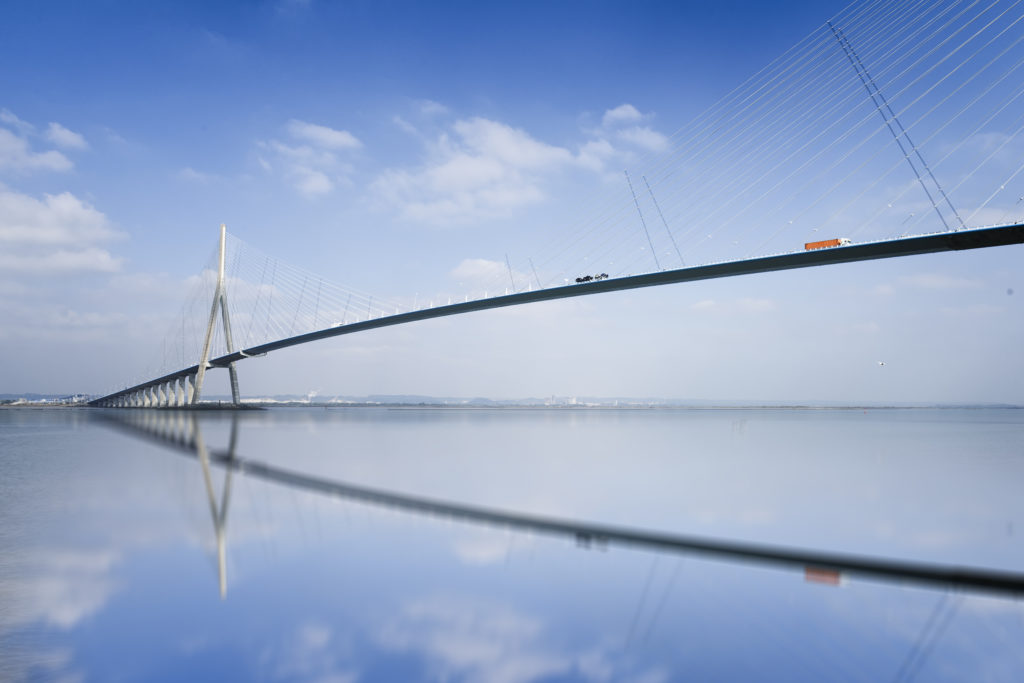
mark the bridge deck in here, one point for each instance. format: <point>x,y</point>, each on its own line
<point>977,238</point>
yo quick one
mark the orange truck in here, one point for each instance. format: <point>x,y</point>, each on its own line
<point>825,244</point>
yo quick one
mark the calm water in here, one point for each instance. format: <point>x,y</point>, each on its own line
<point>349,545</point>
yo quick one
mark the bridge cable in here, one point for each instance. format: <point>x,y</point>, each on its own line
<point>664,222</point>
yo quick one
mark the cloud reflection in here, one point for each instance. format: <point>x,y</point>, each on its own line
<point>483,640</point>
<point>312,653</point>
<point>59,587</point>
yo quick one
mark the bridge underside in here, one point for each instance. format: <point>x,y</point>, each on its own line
<point>178,389</point>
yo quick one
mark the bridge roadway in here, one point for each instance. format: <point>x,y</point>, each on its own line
<point>975,238</point>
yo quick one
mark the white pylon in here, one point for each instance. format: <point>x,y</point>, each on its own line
<point>220,299</point>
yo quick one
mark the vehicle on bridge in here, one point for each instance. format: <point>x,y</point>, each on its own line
<point>591,278</point>
<point>825,244</point>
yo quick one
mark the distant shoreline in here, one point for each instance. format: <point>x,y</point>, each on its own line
<point>212,406</point>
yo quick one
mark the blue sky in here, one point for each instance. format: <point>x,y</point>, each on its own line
<point>405,149</point>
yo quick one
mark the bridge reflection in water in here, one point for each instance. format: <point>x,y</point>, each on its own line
<point>180,431</point>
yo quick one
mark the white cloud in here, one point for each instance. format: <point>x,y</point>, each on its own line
<point>322,136</point>
<point>644,137</point>
<point>509,145</point>
<point>56,234</point>
<point>16,155</point>
<point>62,137</point>
<point>595,154</point>
<point>61,219</point>
<point>480,169</point>
<point>620,137</point>
<point>624,113</point>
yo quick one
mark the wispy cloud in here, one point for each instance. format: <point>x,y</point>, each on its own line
<point>624,132</point>
<point>62,137</point>
<point>8,118</point>
<point>17,155</point>
<point>627,123</point>
<point>322,136</point>
<point>16,145</point>
<point>311,163</point>
<point>313,653</point>
<point>56,587</point>
<point>474,641</point>
<point>192,175</point>
<point>470,639</point>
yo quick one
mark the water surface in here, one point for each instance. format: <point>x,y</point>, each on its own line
<point>294,545</point>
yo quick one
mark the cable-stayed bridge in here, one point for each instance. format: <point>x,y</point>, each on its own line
<point>182,387</point>
<point>895,125</point>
